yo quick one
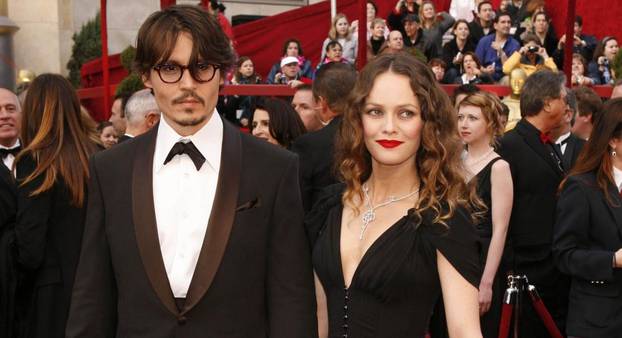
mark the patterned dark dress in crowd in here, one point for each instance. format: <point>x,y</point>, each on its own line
<point>396,284</point>
<point>490,320</point>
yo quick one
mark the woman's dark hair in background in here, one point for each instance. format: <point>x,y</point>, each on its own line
<point>286,44</point>
<point>103,125</point>
<point>285,123</point>
<point>55,135</point>
<point>596,154</point>
<point>253,79</point>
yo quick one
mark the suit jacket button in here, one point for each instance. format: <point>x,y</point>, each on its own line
<point>181,320</point>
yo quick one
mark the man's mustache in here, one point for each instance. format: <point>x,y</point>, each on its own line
<point>186,95</point>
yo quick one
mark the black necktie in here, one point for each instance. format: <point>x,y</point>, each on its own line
<point>6,152</point>
<point>189,149</point>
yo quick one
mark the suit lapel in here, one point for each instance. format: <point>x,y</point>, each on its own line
<point>616,209</point>
<point>143,214</point>
<point>536,145</point>
<point>221,217</point>
<point>569,153</point>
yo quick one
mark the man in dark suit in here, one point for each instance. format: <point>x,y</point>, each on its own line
<point>482,25</point>
<point>193,229</point>
<point>332,85</point>
<point>566,143</point>
<point>141,114</point>
<point>10,125</point>
<point>537,170</point>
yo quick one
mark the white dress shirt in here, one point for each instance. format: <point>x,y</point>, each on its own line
<point>561,139</point>
<point>8,161</point>
<point>617,177</point>
<point>183,197</point>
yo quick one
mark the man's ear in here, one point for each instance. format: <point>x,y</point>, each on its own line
<point>152,119</point>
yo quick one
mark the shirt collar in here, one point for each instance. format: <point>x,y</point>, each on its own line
<point>208,140</point>
<point>562,138</point>
<point>617,177</point>
<point>15,145</point>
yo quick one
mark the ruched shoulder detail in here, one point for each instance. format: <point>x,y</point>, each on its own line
<point>457,241</point>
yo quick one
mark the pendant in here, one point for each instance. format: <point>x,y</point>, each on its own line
<point>368,217</point>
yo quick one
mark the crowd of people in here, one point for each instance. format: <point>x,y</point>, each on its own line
<point>369,204</point>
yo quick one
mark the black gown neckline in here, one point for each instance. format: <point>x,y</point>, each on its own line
<point>368,252</point>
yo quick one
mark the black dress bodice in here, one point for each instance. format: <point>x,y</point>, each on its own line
<point>396,284</point>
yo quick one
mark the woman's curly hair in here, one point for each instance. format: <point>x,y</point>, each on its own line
<point>438,159</point>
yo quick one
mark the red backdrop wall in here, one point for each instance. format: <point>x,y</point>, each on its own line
<point>263,39</point>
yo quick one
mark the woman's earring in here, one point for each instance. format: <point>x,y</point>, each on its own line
<point>613,153</point>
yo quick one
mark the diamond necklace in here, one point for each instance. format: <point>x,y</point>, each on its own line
<point>370,215</point>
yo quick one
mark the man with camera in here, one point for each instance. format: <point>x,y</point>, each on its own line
<point>530,58</point>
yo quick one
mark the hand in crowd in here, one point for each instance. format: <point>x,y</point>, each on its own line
<point>489,69</point>
<point>577,41</point>
<point>295,83</point>
<point>458,58</point>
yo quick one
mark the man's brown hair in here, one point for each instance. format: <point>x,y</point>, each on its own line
<point>588,102</point>
<point>333,82</point>
<point>158,35</point>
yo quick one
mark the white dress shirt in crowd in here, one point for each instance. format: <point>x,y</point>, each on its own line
<point>183,197</point>
<point>561,139</point>
<point>462,9</point>
<point>8,161</point>
<point>617,177</point>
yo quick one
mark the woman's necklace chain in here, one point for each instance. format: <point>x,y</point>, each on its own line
<point>370,214</point>
<point>481,158</point>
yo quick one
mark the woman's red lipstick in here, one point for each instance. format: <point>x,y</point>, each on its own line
<point>389,143</point>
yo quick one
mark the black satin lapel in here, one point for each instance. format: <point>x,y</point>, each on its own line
<point>616,209</point>
<point>221,217</point>
<point>569,154</point>
<point>536,145</point>
<point>143,215</point>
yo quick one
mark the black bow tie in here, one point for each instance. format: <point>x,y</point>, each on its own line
<point>6,152</point>
<point>189,149</point>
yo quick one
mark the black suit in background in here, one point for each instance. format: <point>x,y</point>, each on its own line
<point>574,145</point>
<point>587,235</point>
<point>48,237</point>
<point>536,174</point>
<point>8,272</point>
<point>316,152</point>
<point>124,138</point>
<point>253,277</point>
<point>476,31</point>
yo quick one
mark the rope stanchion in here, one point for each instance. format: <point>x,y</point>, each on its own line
<point>511,309</point>
<point>543,313</point>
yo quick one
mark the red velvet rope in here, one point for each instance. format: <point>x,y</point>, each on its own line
<point>506,317</point>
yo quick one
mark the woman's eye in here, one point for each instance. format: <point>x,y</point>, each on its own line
<point>374,112</point>
<point>406,114</point>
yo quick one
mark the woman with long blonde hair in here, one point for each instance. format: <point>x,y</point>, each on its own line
<point>399,232</point>
<point>52,173</point>
<point>341,32</point>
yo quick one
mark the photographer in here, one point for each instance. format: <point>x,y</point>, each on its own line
<point>402,8</point>
<point>530,58</point>
<point>599,69</point>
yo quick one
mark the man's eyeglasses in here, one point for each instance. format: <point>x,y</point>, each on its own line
<point>172,73</point>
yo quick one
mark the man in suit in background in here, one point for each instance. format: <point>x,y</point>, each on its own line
<point>332,85</point>
<point>566,143</point>
<point>141,114</point>
<point>10,125</point>
<point>537,170</point>
<point>589,106</point>
<point>193,229</point>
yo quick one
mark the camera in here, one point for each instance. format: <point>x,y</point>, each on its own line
<point>532,49</point>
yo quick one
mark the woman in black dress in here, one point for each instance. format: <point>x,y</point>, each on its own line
<point>52,173</point>
<point>399,231</point>
<point>479,126</point>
